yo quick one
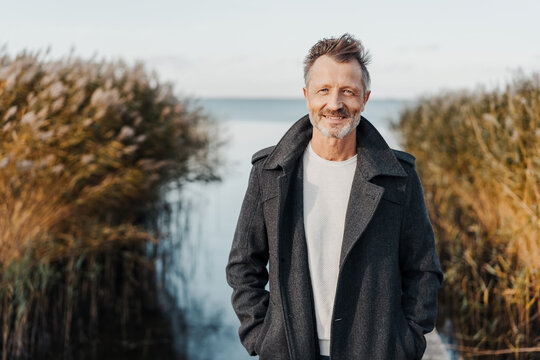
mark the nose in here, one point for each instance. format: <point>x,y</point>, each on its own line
<point>334,101</point>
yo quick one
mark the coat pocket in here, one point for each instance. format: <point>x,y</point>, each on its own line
<point>272,341</point>
<point>264,328</point>
<point>406,338</point>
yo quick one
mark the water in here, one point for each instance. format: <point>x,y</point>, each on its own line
<point>195,273</point>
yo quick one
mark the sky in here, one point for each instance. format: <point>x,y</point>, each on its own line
<point>255,49</point>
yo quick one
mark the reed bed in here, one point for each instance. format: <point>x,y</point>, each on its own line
<point>86,148</point>
<point>478,155</point>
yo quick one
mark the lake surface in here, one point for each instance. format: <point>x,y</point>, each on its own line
<point>205,216</point>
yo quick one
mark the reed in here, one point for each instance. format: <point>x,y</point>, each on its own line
<point>479,159</point>
<point>86,148</point>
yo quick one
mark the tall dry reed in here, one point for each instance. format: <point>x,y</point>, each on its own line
<point>478,155</point>
<point>85,149</point>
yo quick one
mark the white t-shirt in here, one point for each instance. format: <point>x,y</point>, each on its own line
<point>327,186</point>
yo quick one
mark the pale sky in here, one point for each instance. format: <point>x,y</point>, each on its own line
<point>240,48</point>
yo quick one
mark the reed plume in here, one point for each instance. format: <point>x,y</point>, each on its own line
<point>86,150</point>
<point>478,155</point>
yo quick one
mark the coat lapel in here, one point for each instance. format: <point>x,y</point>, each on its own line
<point>294,277</point>
<point>362,205</point>
<point>374,158</point>
<point>295,281</point>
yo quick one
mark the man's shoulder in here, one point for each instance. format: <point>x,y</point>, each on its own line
<point>404,157</point>
<point>262,154</point>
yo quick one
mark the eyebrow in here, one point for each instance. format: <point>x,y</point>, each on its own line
<point>326,85</point>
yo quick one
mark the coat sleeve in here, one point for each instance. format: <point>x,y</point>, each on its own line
<point>420,269</point>
<point>246,269</point>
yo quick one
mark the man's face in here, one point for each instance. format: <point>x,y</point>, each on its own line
<point>335,96</point>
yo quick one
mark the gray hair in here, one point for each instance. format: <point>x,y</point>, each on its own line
<point>342,49</point>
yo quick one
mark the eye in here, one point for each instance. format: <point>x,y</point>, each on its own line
<point>348,92</point>
<point>323,91</point>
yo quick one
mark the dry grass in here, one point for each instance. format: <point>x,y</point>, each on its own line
<point>479,160</point>
<point>85,149</point>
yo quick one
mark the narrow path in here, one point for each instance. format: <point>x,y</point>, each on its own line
<point>435,349</point>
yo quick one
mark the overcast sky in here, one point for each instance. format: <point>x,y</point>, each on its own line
<point>239,48</point>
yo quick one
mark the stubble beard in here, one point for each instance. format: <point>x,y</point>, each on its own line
<point>336,132</point>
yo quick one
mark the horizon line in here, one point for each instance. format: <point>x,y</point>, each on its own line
<point>286,98</point>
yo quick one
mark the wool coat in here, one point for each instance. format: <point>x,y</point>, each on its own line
<point>389,273</point>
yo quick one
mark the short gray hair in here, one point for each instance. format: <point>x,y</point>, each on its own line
<point>342,49</point>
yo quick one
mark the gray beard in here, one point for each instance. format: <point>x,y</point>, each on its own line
<point>334,133</point>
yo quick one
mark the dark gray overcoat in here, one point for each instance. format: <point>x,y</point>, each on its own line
<point>386,296</point>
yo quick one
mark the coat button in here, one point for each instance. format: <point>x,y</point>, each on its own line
<point>338,319</point>
<point>290,315</point>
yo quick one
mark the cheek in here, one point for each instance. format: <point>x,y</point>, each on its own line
<point>355,108</point>
<point>359,107</point>
<point>314,105</point>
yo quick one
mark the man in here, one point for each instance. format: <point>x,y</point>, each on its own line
<point>340,220</point>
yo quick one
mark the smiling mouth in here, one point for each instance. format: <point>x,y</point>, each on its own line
<point>334,118</point>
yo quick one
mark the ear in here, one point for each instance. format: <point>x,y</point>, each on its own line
<point>305,93</point>
<point>366,97</point>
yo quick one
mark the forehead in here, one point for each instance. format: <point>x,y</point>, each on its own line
<point>326,70</point>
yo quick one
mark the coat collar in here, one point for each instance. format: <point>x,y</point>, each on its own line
<point>374,155</point>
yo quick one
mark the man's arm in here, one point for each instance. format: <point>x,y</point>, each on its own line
<point>246,270</point>
<point>420,269</point>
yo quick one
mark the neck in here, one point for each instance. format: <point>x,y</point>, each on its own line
<point>334,149</point>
